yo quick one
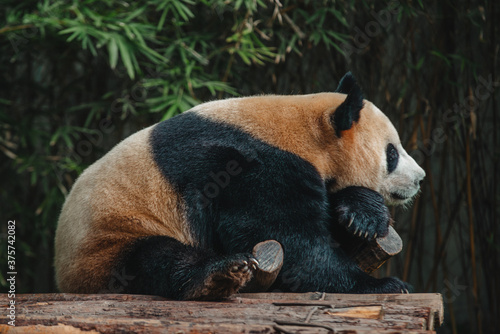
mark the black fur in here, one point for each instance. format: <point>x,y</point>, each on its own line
<point>349,111</point>
<point>164,266</point>
<point>239,191</point>
<point>392,158</point>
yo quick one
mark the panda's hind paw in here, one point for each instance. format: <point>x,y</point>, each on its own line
<point>226,276</point>
<point>385,285</point>
<point>393,285</point>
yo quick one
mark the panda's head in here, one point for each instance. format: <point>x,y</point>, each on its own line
<point>347,139</point>
<point>367,151</point>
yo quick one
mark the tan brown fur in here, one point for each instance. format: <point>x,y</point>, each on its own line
<point>301,124</point>
<point>121,197</point>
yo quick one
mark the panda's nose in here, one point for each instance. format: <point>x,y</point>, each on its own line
<point>420,179</point>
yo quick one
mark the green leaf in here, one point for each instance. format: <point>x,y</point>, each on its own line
<point>135,14</point>
<point>137,34</point>
<point>340,17</point>
<point>170,112</point>
<point>338,48</point>
<point>126,57</point>
<point>129,32</point>
<point>183,11</point>
<point>238,4</point>
<point>113,53</point>
<point>441,56</point>
<point>33,178</point>
<point>244,57</point>
<point>76,31</point>
<point>338,36</point>
<point>420,63</point>
<point>161,22</point>
<point>54,137</point>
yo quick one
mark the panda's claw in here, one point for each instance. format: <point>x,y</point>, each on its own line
<point>375,235</point>
<point>254,261</point>
<point>350,222</point>
<point>366,234</point>
<point>356,231</point>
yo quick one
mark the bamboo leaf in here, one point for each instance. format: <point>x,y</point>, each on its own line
<point>244,57</point>
<point>161,22</point>
<point>170,112</point>
<point>113,53</point>
<point>441,56</point>
<point>126,57</point>
<point>135,14</point>
<point>420,63</point>
<point>183,11</point>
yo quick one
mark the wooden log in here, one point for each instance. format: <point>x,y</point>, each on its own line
<point>256,313</point>
<point>270,256</point>
<point>370,255</point>
<point>432,301</point>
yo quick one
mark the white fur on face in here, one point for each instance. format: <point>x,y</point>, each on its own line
<point>403,183</point>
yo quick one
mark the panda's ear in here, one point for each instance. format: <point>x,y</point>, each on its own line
<point>348,112</point>
<point>346,84</point>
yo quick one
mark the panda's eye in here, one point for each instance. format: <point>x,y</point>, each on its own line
<point>392,158</point>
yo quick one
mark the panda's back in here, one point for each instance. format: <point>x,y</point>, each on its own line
<point>174,179</point>
<point>121,196</point>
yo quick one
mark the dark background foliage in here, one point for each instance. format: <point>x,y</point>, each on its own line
<point>79,76</point>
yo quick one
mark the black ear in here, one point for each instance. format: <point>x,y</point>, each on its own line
<point>348,112</point>
<point>346,84</point>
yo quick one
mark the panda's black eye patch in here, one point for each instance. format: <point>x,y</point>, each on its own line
<point>392,158</point>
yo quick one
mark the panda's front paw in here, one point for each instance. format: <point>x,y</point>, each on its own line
<point>361,211</point>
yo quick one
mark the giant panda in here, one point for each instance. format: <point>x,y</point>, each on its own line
<point>175,209</point>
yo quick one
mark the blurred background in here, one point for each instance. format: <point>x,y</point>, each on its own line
<point>79,76</point>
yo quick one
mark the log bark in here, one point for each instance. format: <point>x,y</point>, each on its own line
<point>256,313</point>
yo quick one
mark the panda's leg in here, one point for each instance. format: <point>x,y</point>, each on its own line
<point>361,282</point>
<point>320,265</point>
<point>161,265</point>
